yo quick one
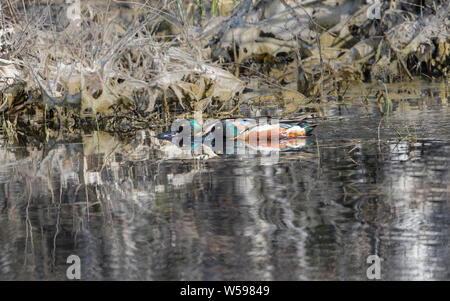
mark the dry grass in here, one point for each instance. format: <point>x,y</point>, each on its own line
<point>150,57</point>
<point>121,52</point>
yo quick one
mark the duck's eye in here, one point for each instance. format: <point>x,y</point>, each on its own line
<point>180,129</point>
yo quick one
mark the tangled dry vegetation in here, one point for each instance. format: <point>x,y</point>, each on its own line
<point>134,62</point>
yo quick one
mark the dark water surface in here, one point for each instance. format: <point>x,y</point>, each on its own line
<point>140,211</point>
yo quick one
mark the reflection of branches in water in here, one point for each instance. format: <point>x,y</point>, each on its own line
<point>28,227</point>
<point>85,185</point>
<point>57,225</point>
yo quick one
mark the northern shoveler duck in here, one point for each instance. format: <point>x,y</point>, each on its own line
<point>239,128</point>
